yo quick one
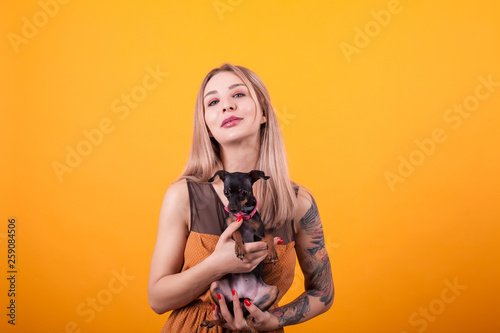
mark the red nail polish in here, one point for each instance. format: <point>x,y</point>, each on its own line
<point>239,218</point>
<point>247,303</point>
<point>280,242</point>
<point>213,307</point>
<point>233,292</point>
<point>219,296</point>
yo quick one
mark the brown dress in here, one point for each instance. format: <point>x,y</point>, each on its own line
<point>207,220</point>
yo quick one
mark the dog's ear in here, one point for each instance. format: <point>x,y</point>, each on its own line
<point>256,175</point>
<point>220,173</point>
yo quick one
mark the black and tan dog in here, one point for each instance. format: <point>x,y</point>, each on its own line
<point>249,286</point>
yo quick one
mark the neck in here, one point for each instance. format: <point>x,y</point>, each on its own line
<point>240,158</point>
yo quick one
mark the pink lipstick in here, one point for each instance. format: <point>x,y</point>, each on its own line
<point>230,121</point>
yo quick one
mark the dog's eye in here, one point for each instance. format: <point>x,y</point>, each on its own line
<point>244,193</point>
<point>226,193</point>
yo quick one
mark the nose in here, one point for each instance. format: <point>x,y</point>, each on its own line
<point>228,106</point>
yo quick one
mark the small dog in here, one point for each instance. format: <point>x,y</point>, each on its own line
<point>243,205</point>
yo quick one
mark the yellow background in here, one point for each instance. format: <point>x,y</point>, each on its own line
<point>347,119</point>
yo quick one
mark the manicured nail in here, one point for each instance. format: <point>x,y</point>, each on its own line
<point>219,296</point>
<point>213,307</point>
<point>247,303</point>
<point>239,218</point>
<point>281,241</point>
<point>233,292</point>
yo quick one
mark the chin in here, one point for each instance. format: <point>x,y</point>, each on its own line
<point>237,138</point>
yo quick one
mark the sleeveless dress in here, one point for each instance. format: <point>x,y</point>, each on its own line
<point>207,221</point>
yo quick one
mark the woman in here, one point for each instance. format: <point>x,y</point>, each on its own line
<point>235,129</point>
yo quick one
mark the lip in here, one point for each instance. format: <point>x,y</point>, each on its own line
<point>230,121</point>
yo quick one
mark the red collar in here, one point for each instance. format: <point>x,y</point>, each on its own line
<point>245,216</point>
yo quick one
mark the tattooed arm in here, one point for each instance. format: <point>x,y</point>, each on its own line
<point>315,264</point>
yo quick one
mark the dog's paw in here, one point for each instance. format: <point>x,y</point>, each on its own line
<point>207,323</point>
<point>273,257</point>
<point>240,256</point>
<point>240,252</point>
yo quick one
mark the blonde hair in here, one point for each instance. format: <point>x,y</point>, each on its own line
<point>277,197</point>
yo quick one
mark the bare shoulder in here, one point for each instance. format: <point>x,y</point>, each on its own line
<point>172,233</point>
<point>307,209</point>
<point>175,204</point>
<point>178,191</point>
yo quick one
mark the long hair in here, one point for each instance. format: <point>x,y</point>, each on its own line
<point>276,196</point>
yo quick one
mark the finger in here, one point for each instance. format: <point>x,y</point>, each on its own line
<point>230,229</point>
<point>255,246</point>
<point>238,312</point>
<point>277,241</point>
<point>215,311</point>
<point>252,259</point>
<point>255,312</point>
<point>223,308</point>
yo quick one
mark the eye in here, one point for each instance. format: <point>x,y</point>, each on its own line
<point>213,102</point>
<point>226,193</point>
<point>244,193</point>
<point>239,95</point>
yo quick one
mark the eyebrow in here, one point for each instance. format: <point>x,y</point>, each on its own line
<point>228,88</point>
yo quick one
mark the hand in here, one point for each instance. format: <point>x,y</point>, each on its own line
<point>262,321</point>
<point>225,258</point>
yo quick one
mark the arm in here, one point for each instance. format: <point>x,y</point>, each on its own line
<point>168,287</point>
<point>315,264</point>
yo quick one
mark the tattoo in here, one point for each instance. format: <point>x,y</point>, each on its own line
<point>292,313</point>
<point>308,221</point>
<point>316,265</point>
<point>311,223</point>
<point>322,281</point>
<point>315,257</point>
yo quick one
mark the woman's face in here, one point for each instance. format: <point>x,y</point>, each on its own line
<point>232,116</point>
